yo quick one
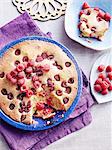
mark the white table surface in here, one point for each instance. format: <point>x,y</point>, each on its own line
<point>96,136</point>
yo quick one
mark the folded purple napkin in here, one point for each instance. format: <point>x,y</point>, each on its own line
<point>81,117</point>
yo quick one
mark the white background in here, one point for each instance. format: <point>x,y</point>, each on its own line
<point>96,136</point>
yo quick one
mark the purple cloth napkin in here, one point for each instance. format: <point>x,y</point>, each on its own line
<point>81,117</point>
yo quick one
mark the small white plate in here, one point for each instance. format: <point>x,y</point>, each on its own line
<point>105,59</point>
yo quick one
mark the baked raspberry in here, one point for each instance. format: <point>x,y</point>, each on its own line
<point>23,88</point>
<point>101,68</point>
<point>31,63</point>
<point>104,92</point>
<point>46,67</point>
<point>97,88</point>
<point>18,52</point>
<point>104,85</point>
<point>29,93</point>
<point>21,75</point>
<point>109,75</point>
<point>21,81</point>
<point>25,59</point>
<point>59,92</point>
<point>97,9</point>
<point>36,84</point>
<point>20,67</point>
<point>44,55</point>
<point>2,74</point>
<point>29,70</point>
<point>109,68</point>
<point>8,76</point>
<point>98,81</point>
<point>17,62</point>
<point>35,78</point>
<point>50,57</point>
<point>40,106</point>
<point>13,80</point>
<point>64,84</point>
<point>107,16</point>
<point>102,76</point>
<point>57,77</point>
<point>13,73</point>
<point>85,5</point>
<point>39,58</point>
<point>68,90</point>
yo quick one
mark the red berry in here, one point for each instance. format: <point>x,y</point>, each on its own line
<point>13,81</point>
<point>36,84</point>
<point>102,76</point>
<point>81,12</point>
<point>8,76</point>
<point>29,70</point>
<point>39,59</point>
<point>107,16</point>
<point>21,81</point>
<point>97,88</point>
<point>101,14</point>
<point>107,80</point>
<point>79,25</point>
<point>44,55</point>
<point>29,93</point>
<point>40,106</point>
<point>110,87</point>
<point>101,68</point>
<point>96,8</point>
<point>31,63</point>
<point>109,68</point>
<point>21,75</point>
<point>46,67</point>
<point>13,73</point>
<point>109,75</point>
<point>20,67</point>
<point>35,78</point>
<point>104,92</point>
<point>98,81</point>
<point>104,85</point>
<point>23,88</point>
<point>85,5</point>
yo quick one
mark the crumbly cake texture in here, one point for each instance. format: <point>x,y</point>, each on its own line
<point>36,79</point>
<point>93,22</point>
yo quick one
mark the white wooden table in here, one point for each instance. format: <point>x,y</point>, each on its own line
<point>96,136</point>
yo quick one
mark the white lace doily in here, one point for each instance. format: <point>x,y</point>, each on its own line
<point>42,9</point>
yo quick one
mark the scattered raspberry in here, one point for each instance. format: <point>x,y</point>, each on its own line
<point>101,14</point>
<point>107,16</point>
<point>85,5</point>
<point>21,81</point>
<point>20,67</point>
<point>104,85</point>
<point>98,81</point>
<point>40,106</point>
<point>110,87</point>
<point>104,92</point>
<point>97,88</point>
<point>101,68</point>
<point>102,76</point>
<point>109,68</point>
<point>29,93</point>
<point>46,67</point>
<point>109,75</point>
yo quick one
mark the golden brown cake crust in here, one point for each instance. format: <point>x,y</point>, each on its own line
<point>68,75</point>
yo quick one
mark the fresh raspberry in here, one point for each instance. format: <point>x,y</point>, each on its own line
<point>104,92</point>
<point>104,85</point>
<point>39,58</point>
<point>96,8</point>
<point>101,14</point>
<point>46,67</point>
<point>29,70</point>
<point>40,106</point>
<point>81,12</point>
<point>107,80</point>
<point>109,75</point>
<point>13,73</point>
<point>97,88</point>
<point>29,93</point>
<point>110,87</point>
<point>102,76</point>
<point>21,81</point>
<point>79,25</point>
<point>20,67</point>
<point>101,68</point>
<point>98,81</point>
<point>107,16</point>
<point>85,5</point>
<point>23,88</point>
<point>30,63</point>
<point>109,68</point>
<point>21,75</point>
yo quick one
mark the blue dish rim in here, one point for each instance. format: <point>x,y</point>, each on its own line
<point>76,100</point>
